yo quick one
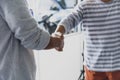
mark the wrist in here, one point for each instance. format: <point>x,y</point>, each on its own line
<point>60,29</point>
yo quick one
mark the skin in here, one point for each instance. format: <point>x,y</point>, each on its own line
<point>56,41</point>
<point>106,0</point>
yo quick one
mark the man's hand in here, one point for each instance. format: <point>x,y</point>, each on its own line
<point>59,47</point>
<point>60,30</point>
<point>56,41</point>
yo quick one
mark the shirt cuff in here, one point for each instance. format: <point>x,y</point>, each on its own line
<point>44,39</point>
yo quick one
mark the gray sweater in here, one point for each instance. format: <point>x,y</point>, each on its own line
<point>19,34</point>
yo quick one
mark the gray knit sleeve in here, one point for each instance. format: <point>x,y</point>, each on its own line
<point>23,25</point>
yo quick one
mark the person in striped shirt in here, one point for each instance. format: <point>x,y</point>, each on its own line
<point>101,27</point>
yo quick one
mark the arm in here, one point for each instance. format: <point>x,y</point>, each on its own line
<point>23,25</point>
<point>71,20</point>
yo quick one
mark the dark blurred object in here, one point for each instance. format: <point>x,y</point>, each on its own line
<point>61,3</point>
<point>50,26</point>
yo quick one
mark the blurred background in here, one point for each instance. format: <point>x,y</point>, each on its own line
<point>48,13</point>
<point>51,64</point>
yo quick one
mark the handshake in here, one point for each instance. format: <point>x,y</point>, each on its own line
<point>56,41</point>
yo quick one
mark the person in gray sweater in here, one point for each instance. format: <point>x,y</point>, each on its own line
<point>19,35</point>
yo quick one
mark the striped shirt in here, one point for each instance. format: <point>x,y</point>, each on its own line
<point>101,28</point>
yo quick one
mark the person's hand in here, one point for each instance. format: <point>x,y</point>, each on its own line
<point>56,41</point>
<point>59,47</point>
<point>60,30</point>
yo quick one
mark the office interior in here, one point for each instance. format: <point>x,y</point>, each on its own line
<point>51,64</point>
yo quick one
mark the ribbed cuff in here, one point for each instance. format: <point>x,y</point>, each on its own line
<point>44,39</point>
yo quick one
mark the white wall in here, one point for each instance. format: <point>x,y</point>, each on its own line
<point>66,65</point>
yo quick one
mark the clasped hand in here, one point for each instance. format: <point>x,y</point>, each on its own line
<point>56,41</point>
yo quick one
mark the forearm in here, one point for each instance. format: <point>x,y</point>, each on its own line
<point>23,25</point>
<point>71,20</point>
